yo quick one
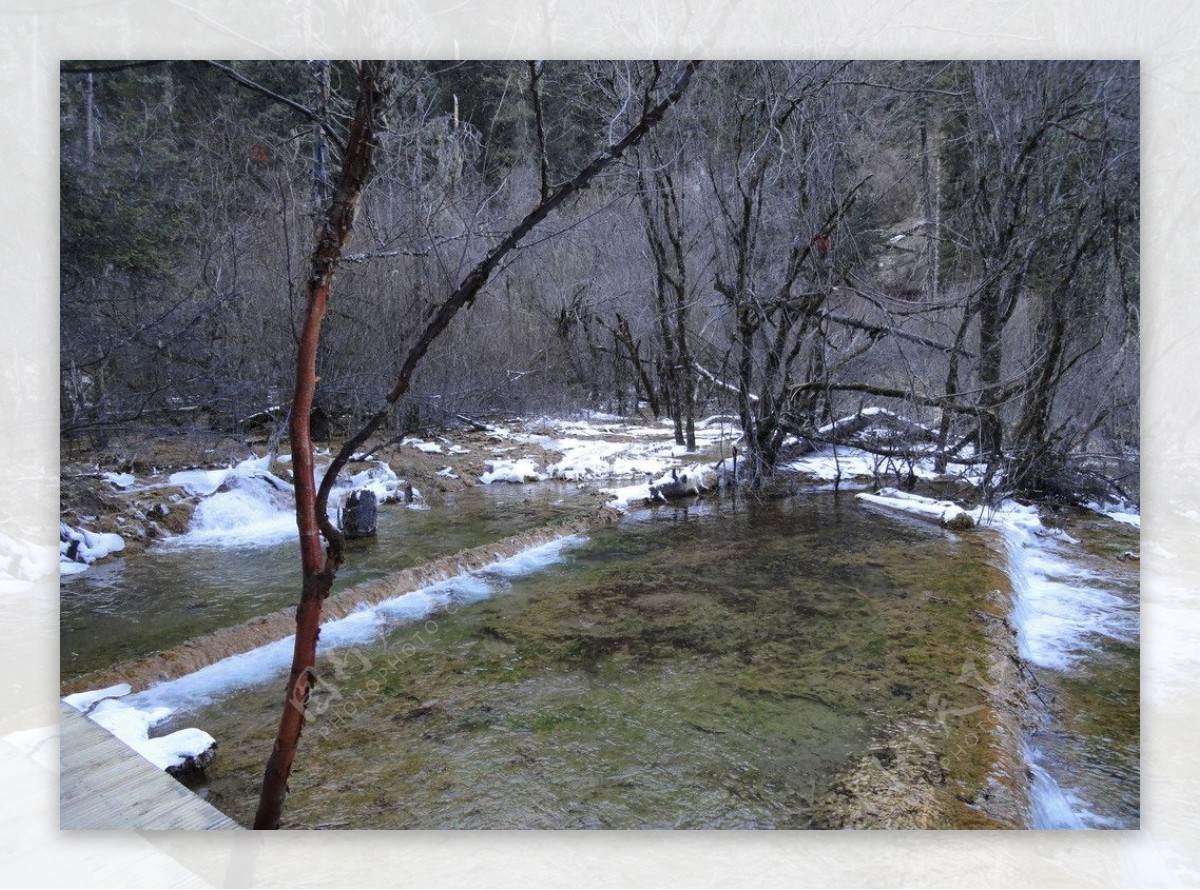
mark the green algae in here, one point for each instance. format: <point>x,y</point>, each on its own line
<point>714,672</point>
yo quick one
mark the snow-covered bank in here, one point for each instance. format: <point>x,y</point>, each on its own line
<point>131,716</point>
<point>1063,608</point>
<point>247,504</point>
<point>78,548</point>
<point>833,463</point>
<point>600,447</point>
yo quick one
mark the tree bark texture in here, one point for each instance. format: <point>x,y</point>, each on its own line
<point>318,571</point>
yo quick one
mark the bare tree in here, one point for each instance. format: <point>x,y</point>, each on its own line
<point>784,237</point>
<point>662,200</point>
<point>320,569</point>
<point>1047,190</point>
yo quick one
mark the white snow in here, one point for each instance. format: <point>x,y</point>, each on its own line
<point>944,512</point>
<point>87,547</point>
<point>120,480</point>
<point>1118,513</point>
<point>516,471</point>
<point>829,464</point>
<point>844,462</point>
<point>202,483</point>
<point>247,505</point>
<point>379,479</point>
<point>81,701</point>
<point>111,709</point>
<point>583,460</point>
<point>423,446</point>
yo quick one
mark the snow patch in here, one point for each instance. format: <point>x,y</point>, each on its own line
<point>78,548</point>
<point>514,471</point>
<point>423,446</point>
<point>247,505</point>
<point>1118,513</point>
<point>120,480</point>
<point>945,513</point>
<point>110,709</point>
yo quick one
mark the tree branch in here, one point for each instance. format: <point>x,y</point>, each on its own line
<point>239,78</point>
<point>474,281</point>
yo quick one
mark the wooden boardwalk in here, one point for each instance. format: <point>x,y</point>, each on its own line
<point>103,783</point>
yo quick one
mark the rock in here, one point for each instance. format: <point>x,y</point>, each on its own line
<point>359,514</point>
<point>193,765</point>
<point>960,521</point>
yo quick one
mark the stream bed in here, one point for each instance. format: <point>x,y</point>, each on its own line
<point>712,667</point>
<point>794,662</point>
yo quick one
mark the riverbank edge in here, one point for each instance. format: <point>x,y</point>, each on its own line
<point>903,781</point>
<point>199,652</point>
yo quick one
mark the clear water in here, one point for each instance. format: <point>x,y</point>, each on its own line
<point>130,607</point>
<point>694,668</point>
<point>711,666</point>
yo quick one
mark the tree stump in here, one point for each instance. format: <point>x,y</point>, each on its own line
<point>359,514</point>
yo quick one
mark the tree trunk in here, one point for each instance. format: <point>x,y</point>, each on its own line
<point>931,201</point>
<point>89,120</point>
<point>320,194</point>
<point>991,355</point>
<point>317,571</point>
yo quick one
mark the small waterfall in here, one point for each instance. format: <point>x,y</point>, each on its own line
<point>412,593</point>
<point>249,505</point>
<point>1060,608</point>
<point>1053,809</point>
<point>356,617</point>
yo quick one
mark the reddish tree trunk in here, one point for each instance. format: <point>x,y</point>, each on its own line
<point>318,571</point>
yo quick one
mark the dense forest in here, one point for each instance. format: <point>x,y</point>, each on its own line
<point>793,241</point>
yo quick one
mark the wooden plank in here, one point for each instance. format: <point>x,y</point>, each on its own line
<point>103,783</point>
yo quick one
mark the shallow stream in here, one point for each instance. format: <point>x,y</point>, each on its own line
<point>712,667</point>
<point>798,662</point>
<point>126,608</point>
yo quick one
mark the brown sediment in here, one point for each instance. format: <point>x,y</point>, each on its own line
<point>202,651</point>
